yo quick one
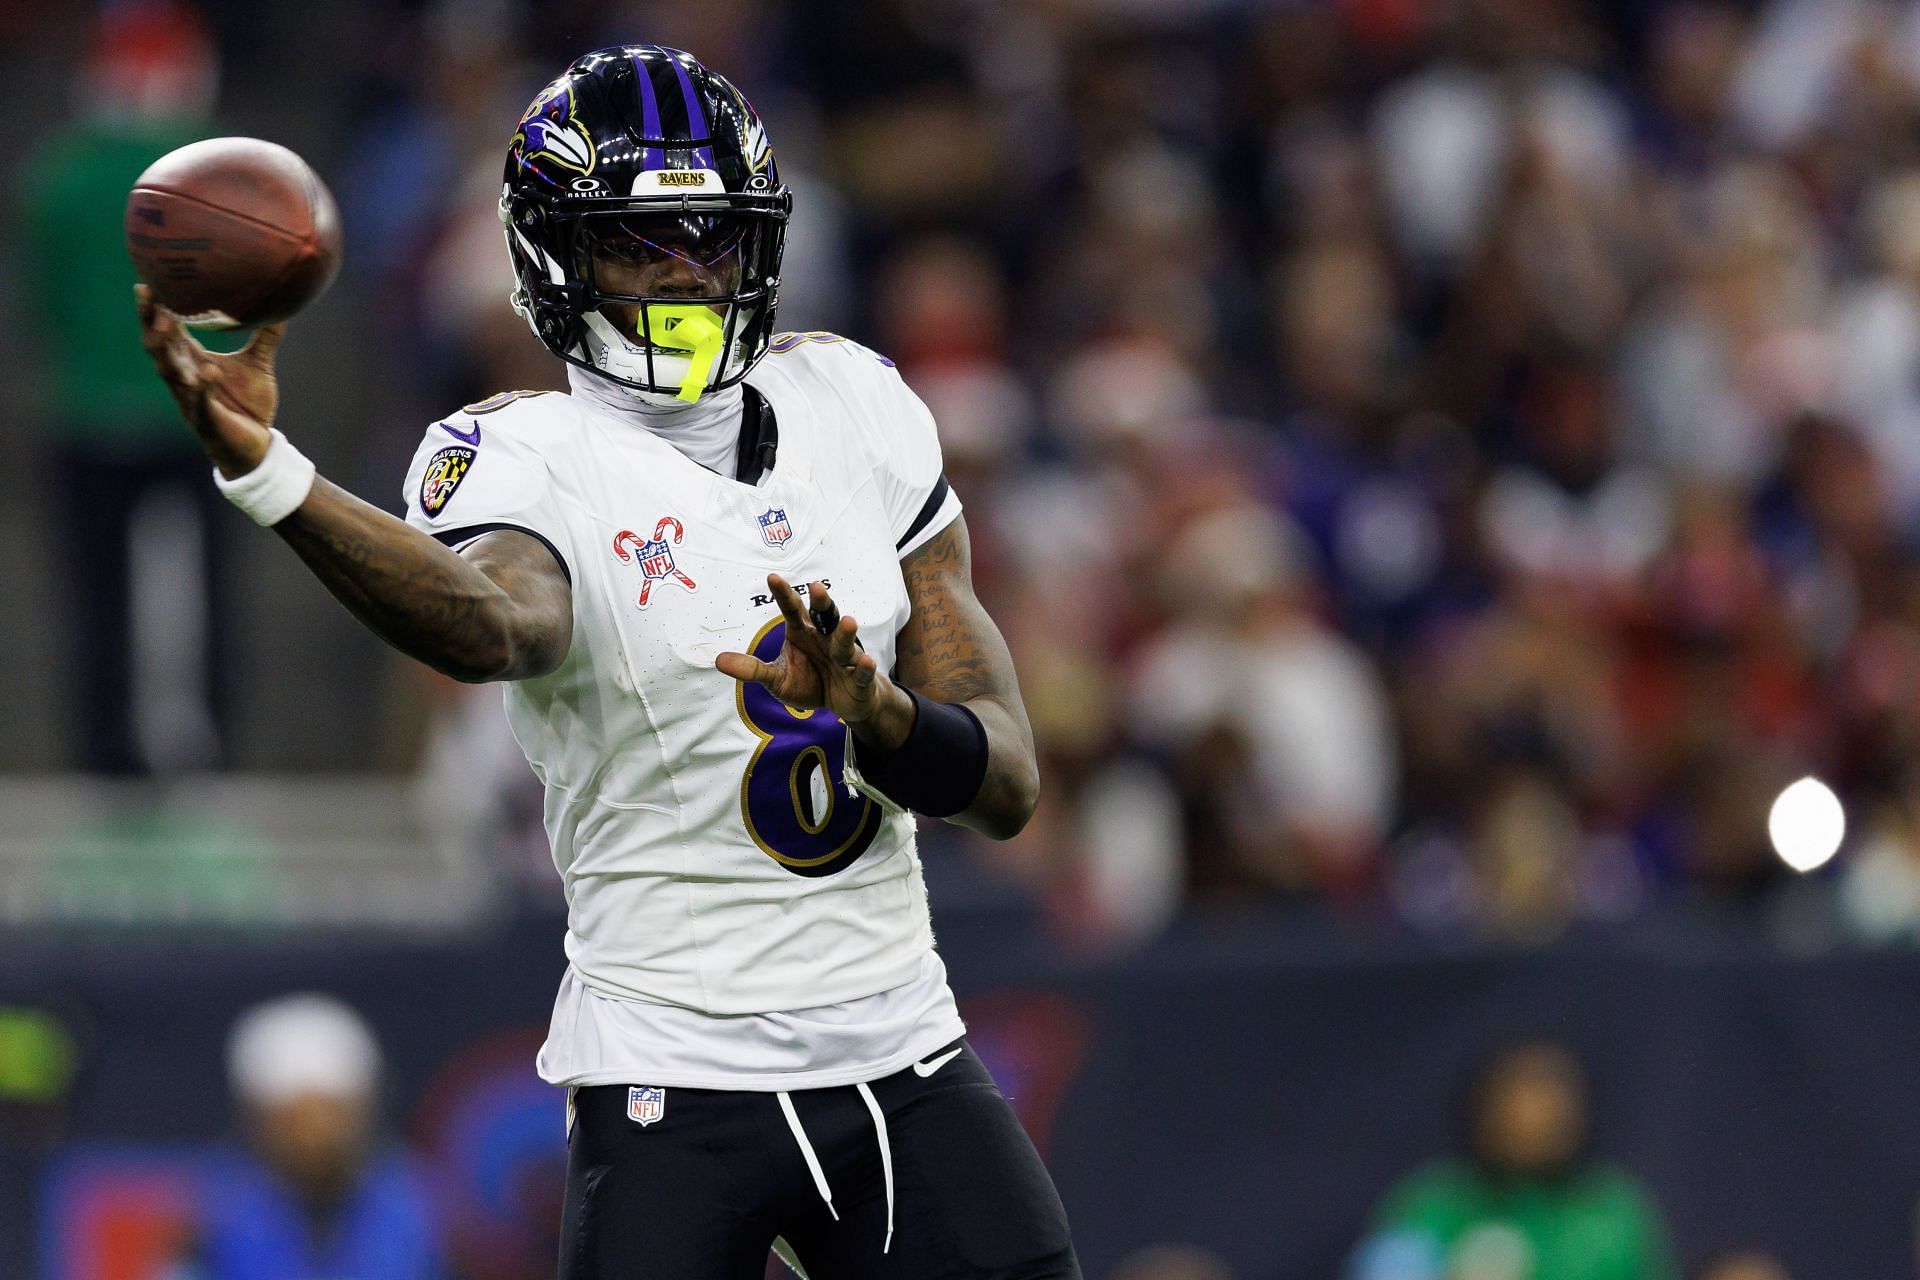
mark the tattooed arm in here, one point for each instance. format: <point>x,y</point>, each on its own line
<point>501,611</point>
<point>951,651</point>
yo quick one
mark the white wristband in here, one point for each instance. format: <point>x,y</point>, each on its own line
<point>275,489</point>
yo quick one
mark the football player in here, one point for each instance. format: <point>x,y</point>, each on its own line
<point>728,588</point>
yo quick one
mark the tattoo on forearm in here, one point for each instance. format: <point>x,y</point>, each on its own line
<point>495,615</point>
<point>951,650</point>
<point>949,642</point>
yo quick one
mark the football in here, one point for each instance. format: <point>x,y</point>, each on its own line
<point>233,232</point>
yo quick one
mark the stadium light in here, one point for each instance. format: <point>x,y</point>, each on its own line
<point>1806,824</point>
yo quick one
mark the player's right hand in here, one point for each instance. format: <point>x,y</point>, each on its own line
<point>228,400</point>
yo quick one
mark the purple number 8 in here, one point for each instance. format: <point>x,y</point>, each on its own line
<point>794,798</point>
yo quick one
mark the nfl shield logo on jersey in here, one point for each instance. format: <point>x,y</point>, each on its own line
<point>774,529</point>
<point>645,1104</point>
<point>656,559</point>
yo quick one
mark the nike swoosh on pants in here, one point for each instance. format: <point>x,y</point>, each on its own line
<point>925,1069</point>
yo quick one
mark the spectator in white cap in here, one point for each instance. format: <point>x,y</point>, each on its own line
<point>306,1071</point>
<point>317,1197</point>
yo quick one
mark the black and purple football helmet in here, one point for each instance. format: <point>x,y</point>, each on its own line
<point>635,152</point>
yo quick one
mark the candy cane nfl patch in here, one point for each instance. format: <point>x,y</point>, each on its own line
<point>445,470</point>
<point>645,1104</point>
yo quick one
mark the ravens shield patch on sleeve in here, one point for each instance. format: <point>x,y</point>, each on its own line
<point>445,470</point>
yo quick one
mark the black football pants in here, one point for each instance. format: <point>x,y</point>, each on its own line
<point>701,1191</point>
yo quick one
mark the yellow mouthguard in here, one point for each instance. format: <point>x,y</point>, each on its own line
<point>693,329</point>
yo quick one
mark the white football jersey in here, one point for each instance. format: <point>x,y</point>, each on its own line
<point>711,853</point>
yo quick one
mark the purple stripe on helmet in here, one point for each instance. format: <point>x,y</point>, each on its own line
<point>696,116</point>
<point>650,157</point>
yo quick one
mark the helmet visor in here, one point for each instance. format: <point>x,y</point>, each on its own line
<point>635,256</point>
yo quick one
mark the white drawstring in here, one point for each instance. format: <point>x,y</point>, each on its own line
<point>806,1150</point>
<point>820,1175</point>
<point>886,1157</point>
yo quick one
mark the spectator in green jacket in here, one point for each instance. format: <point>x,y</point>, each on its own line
<point>1529,1202</point>
<point>139,524</point>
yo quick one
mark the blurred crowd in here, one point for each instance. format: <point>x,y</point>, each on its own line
<point>1452,460</point>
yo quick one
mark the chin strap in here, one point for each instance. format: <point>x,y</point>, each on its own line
<point>692,328</point>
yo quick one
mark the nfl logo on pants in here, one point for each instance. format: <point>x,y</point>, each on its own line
<point>645,1104</point>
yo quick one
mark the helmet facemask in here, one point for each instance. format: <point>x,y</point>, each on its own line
<point>669,298</point>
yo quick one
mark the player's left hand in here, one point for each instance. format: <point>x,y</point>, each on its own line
<point>831,670</point>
